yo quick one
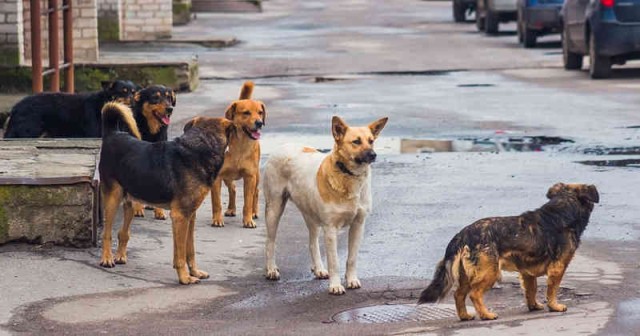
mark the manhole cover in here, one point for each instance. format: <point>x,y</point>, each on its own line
<point>397,313</point>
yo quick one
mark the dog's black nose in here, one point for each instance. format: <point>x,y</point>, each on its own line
<point>169,110</point>
<point>259,123</point>
<point>372,156</point>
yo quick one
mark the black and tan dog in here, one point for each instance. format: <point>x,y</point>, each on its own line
<point>175,175</point>
<point>65,115</point>
<point>536,243</point>
<point>242,160</point>
<point>152,109</point>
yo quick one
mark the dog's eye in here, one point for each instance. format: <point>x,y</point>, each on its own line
<point>246,113</point>
<point>371,141</point>
<point>357,142</point>
<point>260,113</point>
<point>125,90</point>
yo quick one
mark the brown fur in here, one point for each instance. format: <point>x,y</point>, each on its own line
<point>536,243</point>
<point>242,160</point>
<point>181,193</point>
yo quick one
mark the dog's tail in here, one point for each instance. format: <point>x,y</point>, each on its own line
<point>118,117</point>
<point>247,90</point>
<point>447,273</point>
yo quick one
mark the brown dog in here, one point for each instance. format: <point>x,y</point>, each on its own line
<point>175,175</point>
<point>536,243</point>
<point>242,160</point>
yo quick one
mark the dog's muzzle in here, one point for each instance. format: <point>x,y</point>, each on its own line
<point>368,156</point>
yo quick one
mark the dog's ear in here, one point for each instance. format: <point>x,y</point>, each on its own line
<point>190,124</point>
<point>377,126</point>
<point>589,193</point>
<point>231,111</point>
<point>229,128</point>
<point>106,85</point>
<point>338,128</point>
<point>173,98</point>
<point>264,114</point>
<point>555,189</point>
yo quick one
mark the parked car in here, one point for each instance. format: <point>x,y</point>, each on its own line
<point>461,8</point>
<point>490,13</point>
<point>537,18</point>
<point>606,30</point>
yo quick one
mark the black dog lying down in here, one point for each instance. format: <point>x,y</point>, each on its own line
<point>536,243</point>
<point>65,115</point>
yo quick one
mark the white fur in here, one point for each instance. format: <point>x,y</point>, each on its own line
<point>291,175</point>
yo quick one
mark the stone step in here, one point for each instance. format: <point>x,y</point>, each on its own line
<point>226,6</point>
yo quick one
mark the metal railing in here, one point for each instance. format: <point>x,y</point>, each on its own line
<point>53,13</point>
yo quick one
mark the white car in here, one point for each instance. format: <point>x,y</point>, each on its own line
<point>489,14</point>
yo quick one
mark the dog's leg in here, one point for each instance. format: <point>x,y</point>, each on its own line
<point>250,184</point>
<point>331,246</point>
<point>530,286</point>
<point>216,203</point>
<point>314,249</point>
<point>355,237</point>
<point>256,209</point>
<point>555,272</point>
<point>138,209</point>
<point>158,213</point>
<point>231,209</point>
<point>112,197</point>
<point>180,226</point>
<point>125,233</point>
<point>460,295</point>
<point>275,204</point>
<point>484,277</point>
<point>191,251</point>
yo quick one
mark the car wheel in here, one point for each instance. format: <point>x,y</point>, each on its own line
<point>492,20</point>
<point>479,21</point>
<point>459,11</point>
<point>529,38</point>
<point>599,66</point>
<point>521,24</point>
<point>571,60</point>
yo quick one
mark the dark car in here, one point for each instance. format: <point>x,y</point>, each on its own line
<point>537,18</point>
<point>461,8</point>
<point>606,30</point>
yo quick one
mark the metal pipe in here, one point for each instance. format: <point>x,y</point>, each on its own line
<point>67,26</point>
<point>54,45</point>
<point>36,47</point>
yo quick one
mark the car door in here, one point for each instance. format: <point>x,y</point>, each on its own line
<point>578,25</point>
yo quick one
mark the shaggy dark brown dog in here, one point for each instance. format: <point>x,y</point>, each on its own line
<point>536,243</point>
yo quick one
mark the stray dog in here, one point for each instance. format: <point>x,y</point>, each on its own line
<point>242,160</point>
<point>536,243</point>
<point>331,191</point>
<point>65,115</point>
<point>152,109</point>
<point>175,175</point>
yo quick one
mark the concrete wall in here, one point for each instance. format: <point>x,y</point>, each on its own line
<point>109,20</point>
<point>146,19</point>
<point>11,37</point>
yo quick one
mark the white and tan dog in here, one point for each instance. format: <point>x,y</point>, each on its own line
<point>331,191</point>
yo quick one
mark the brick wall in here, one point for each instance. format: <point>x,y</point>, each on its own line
<point>146,19</point>
<point>11,47</point>
<point>85,31</point>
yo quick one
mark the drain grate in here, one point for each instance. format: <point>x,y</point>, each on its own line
<point>396,313</point>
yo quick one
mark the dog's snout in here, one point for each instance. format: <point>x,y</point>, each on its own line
<point>259,123</point>
<point>371,156</point>
<point>169,110</point>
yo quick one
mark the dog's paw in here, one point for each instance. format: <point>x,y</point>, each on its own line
<point>489,316</point>
<point>189,280</point>
<point>138,212</point>
<point>466,317</point>
<point>336,289</point>
<point>121,259</point>
<point>321,273</point>
<point>255,216</point>
<point>217,222</point>
<point>353,283</point>
<point>159,214</point>
<point>249,224</point>
<point>107,261</point>
<point>535,306</point>
<point>230,213</point>
<point>273,274</point>
<point>199,274</point>
<point>557,308</point>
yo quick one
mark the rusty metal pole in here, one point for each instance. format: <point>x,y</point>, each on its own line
<point>54,45</point>
<point>36,47</point>
<point>67,26</point>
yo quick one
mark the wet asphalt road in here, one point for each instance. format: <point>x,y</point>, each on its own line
<point>435,80</point>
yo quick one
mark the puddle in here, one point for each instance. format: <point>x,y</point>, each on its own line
<point>489,144</point>
<point>629,312</point>
<point>475,85</point>
<point>599,150</point>
<point>631,163</point>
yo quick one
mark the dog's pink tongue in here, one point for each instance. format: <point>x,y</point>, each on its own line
<point>255,135</point>
<point>166,120</point>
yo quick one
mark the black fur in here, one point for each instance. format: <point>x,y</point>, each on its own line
<point>64,115</point>
<point>532,238</point>
<point>149,95</point>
